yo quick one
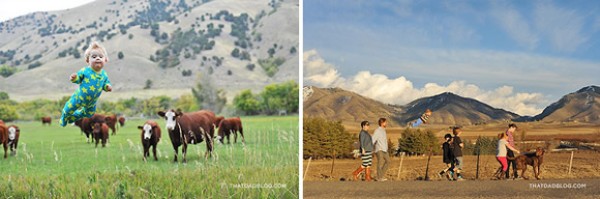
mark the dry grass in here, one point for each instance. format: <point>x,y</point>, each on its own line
<point>555,166</point>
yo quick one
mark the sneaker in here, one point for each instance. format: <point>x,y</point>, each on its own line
<point>383,179</point>
<point>450,175</point>
<point>459,178</point>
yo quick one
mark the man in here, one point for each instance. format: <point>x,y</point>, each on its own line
<point>457,146</point>
<point>381,147</point>
<point>510,154</point>
<point>366,151</point>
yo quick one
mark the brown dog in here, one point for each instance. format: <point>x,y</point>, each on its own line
<point>533,159</point>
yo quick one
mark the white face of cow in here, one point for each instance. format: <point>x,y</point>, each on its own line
<point>170,115</point>
<point>12,133</point>
<point>147,131</point>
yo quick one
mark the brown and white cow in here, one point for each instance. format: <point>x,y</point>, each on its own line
<point>13,138</point>
<point>150,137</point>
<point>230,126</point>
<point>100,132</point>
<point>217,121</point>
<point>85,124</point>
<point>4,138</point>
<point>189,128</point>
<point>46,120</point>
<point>111,121</point>
<point>122,121</point>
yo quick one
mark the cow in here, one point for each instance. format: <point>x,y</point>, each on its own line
<point>85,124</point>
<point>1,122</point>
<point>100,132</point>
<point>230,126</point>
<point>4,137</point>
<point>150,137</point>
<point>218,121</point>
<point>122,121</point>
<point>46,120</point>
<point>189,128</point>
<point>13,138</point>
<point>111,121</point>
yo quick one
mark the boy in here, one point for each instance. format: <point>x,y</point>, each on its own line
<point>509,153</point>
<point>457,146</point>
<point>92,80</point>
<point>448,158</point>
<point>423,119</point>
<point>381,146</point>
<point>366,150</point>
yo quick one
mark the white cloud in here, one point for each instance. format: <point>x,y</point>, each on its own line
<point>400,90</point>
<point>563,27</point>
<point>515,25</point>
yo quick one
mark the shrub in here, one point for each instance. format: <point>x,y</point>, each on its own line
<point>326,139</point>
<point>6,71</point>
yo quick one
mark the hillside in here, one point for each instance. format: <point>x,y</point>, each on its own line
<point>581,106</point>
<point>171,43</point>
<point>338,104</point>
<point>449,108</point>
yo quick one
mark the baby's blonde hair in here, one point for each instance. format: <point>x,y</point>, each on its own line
<point>95,46</point>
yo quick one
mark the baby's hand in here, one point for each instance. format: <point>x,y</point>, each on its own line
<point>73,76</point>
<point>108,88</point>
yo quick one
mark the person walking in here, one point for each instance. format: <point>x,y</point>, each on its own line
<point>381,149</point>
<point>510,154</point>
<point>366,152</point>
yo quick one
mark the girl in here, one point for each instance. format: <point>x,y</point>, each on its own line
<point>501,153</point>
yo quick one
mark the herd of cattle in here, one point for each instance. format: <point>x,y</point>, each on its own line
<point>183,129</point>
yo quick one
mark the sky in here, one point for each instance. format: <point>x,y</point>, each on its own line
<point>517,55</point>
<point>13,8</point>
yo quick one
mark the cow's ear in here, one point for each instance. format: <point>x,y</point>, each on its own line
<point>140,127</point>
<point>161,113</point>
<point>178,112</point>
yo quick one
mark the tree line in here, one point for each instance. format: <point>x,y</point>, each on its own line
<point>325,138</point>
<point>274,97</point>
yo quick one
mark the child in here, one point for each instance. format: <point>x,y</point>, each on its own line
<point>448,158</point>
<point>457,146</point>
<point>366,149</point>
<point>423,119</point>
<point>92,80</point>
<point>501,153</point>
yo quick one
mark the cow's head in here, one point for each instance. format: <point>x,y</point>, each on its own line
<point>170,116</point>
<point>147,129</point>
<point>12,133</point>
<point>97,127</point>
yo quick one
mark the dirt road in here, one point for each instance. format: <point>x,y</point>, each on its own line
<point>580,188</point>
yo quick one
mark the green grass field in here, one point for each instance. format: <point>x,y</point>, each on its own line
<point>56,162</point>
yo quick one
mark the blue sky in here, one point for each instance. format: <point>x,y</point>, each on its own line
<point>543,49</point>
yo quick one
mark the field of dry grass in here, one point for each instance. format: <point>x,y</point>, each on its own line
<point>555,166</point>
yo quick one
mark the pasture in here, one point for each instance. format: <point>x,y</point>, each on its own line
<point>56,162</point>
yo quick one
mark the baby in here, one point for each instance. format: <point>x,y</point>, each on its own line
<point>92,80</point>
<point>423,119</point>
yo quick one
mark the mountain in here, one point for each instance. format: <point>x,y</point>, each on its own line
<point>167,45</point>
<point>581,106</point>
<point>449,108</point>
<point>347,106</point>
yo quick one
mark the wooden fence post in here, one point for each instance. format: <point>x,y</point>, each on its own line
<point>306,171</point>
<point>571,163</point>
<point>400,167</point>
